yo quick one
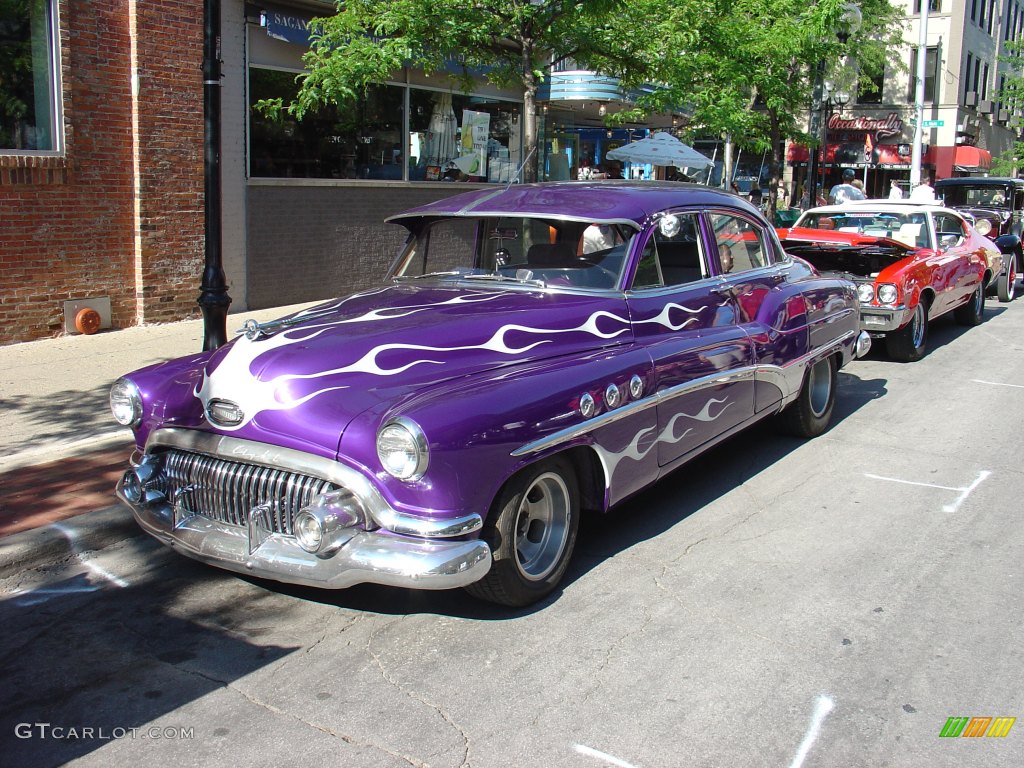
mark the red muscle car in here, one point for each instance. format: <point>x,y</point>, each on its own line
<point>911,262</point>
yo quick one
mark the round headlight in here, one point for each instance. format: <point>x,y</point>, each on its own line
<point>402,449</point>
<point>866,293</point>
<point>983,226</point>
<point>308,531</point>
<point>887,294</point>
<point>126,403</point>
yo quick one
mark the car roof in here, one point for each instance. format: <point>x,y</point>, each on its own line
<point>883,206</point>
<point>609,201</point>
<point>980,181</point>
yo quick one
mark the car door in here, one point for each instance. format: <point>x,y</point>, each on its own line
<point>701,355</point>
<point>956,265</point>
<point>749,269</point>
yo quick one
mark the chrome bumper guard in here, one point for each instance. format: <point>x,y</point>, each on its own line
<point>259,546</point>
<point>876,320</point>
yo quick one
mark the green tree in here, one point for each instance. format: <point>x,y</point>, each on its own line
<point>1010,162</point>
<point>513,41</point>
<point>748,68</point>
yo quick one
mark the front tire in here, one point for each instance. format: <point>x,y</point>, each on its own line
<point>908,343</point>
<point>973,312</point>
<point>810,415</point>
<point>531,530</point>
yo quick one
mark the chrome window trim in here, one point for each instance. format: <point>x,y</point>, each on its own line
<point>263,454</point>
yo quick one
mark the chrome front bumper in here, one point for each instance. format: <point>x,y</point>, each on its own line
<point>377,557</point>
<point>877,320</point>
<point>381,546</point>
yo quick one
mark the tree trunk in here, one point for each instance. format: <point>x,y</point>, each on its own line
<point>774,165</point>
<point>530,149</point>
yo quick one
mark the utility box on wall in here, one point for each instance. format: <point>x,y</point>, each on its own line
<point>73,307</point>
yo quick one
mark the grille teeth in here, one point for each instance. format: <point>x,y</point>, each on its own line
<point>226,491</point>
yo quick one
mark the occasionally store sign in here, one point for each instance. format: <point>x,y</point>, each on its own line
<point>891,125</point>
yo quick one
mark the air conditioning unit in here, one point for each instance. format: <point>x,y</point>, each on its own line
<point>1004,115</point>
<point>985,107</point>
<point>971,99</point>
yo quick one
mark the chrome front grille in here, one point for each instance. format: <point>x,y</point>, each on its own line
<point>226,491</point>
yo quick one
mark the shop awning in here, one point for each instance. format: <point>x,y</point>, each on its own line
<point>958,158</point>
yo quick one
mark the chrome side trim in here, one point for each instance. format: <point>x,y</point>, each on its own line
<point>263,454</point>
<point>788,378</point>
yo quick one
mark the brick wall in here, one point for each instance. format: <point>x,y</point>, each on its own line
<point>68,224</point>
<point>318,242</point>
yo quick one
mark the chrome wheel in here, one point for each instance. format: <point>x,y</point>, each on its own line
<point>819,385</point>
<point>917,327</point>
<point>542,526</point>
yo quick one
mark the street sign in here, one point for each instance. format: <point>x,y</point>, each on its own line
<point>932,123</point>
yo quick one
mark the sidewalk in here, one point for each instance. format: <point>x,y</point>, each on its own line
<point>60,450</point>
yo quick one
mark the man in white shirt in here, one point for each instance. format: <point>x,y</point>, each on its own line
<point>923,192</point>
<point>845,191</point>
<point>895,193</point>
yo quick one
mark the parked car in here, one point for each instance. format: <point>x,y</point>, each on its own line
<point>912,263</point>
<point>997,207</point>
<point>536,353</point>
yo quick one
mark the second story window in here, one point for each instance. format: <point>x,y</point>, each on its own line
<point>930,79</point>
<point>29,111</point>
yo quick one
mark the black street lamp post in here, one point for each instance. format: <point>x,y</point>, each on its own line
<point>214,299</point>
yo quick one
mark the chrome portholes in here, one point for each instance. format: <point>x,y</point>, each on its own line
<point>612,396</point>
<point>587,405</point>
<point>636,387</point>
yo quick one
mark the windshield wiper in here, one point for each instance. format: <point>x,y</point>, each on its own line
<point>521,277</point>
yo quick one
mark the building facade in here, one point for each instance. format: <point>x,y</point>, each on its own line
<point>965,124</point>
<point>101,185</point>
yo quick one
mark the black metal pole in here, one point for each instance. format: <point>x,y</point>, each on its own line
<point>815,132</point>
<point>214,299</point>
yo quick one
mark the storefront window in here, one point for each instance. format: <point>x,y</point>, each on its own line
<point>454,137</point>
<point>363,140</point>
<point>28,108</point>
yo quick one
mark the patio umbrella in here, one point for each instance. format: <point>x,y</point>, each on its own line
<point>661,149</point>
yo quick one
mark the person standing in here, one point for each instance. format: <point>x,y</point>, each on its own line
<point>923,192</point>
<point>895,193</point>
<point>845,191</point>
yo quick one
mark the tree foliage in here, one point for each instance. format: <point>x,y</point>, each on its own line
<point>1011,95</point>
<point>512,41</point>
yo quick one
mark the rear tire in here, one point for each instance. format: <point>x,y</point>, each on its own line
<point>973,312</point>
<point>908,343</point>
<point>1007,284</point>
<point>810,415</point>
<point>531,530</point>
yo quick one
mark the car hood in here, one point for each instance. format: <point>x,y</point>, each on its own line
<point>849,253</point>
<point>301,380</point>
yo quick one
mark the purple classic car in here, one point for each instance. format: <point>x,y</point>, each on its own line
<point>537,353</point>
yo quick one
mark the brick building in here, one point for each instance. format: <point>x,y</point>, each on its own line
<point>101,174</point>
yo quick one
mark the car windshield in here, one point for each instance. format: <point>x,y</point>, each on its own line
<point>980,196</point>
<point>507,250</point>
<point>908,228</point>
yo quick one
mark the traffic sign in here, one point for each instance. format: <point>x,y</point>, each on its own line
<point>932,123</point>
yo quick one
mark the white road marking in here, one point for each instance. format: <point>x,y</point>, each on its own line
<point>602,756</point>
<point>998,384</point>
<point>71,536</point>
<point>822,707</point>
<point>964,492</point>
<point>32,597</point>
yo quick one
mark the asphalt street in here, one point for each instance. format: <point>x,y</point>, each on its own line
<point>774,603</point>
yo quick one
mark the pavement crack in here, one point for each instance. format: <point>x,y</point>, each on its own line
<point>390,679</point>
<point>268,707</point>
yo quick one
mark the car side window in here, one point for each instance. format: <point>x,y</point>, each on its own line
<point>674,259</point>
<point>949,230</point>
<point>740,243</point>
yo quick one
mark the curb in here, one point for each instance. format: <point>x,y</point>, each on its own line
<point>69,538</point>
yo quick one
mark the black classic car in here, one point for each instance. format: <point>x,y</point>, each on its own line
<point>997,206</point>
